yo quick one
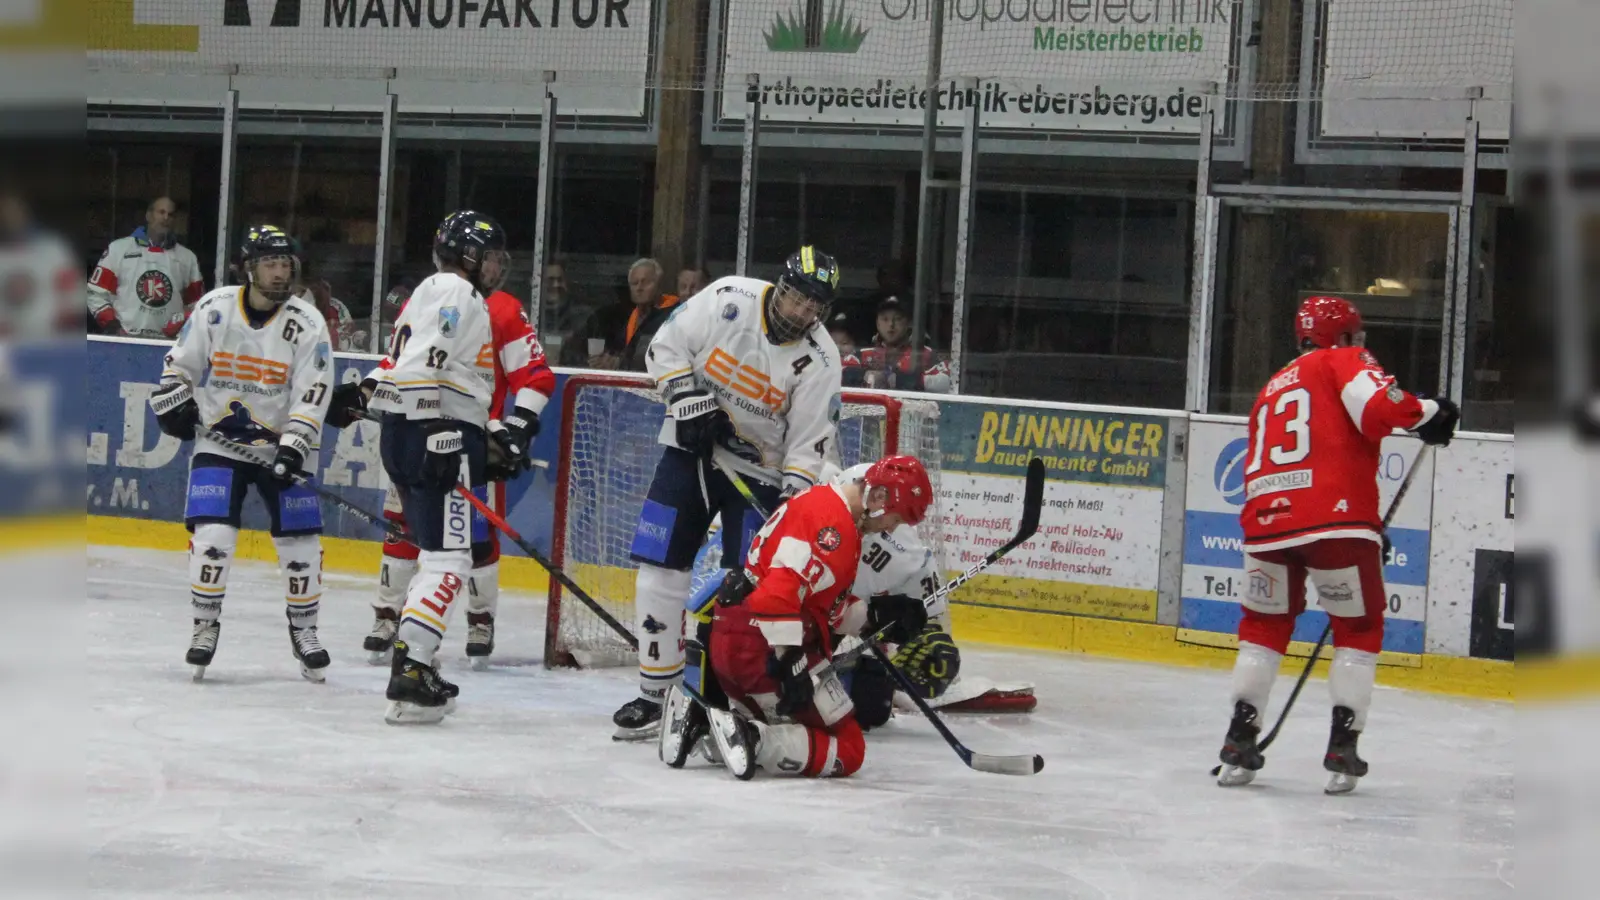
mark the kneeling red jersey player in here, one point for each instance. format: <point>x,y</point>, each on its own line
<point>767,645</point>
<point>1311,509</point>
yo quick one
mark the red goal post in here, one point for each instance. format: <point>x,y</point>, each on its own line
<point>608,454</point>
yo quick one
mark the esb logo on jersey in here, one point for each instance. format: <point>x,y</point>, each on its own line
<point>723,368</point>
<point>249,369</point>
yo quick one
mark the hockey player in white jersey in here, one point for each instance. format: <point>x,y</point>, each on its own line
<point>751,383</point>
<point>254,365</point>
<point>433,394</point>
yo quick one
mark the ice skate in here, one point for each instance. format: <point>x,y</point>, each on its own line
<point>638,720</point>
<point>416,693</point>
<point>203,646</point>
<point>310,653</point>
<point>385,623</point>
<point>683,726</point>
<point>1240,758</point>
<point>1344,765</point>
<point>480,639</point>
<point>735,738</point>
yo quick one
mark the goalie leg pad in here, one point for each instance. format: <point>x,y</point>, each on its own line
<point>300,561</point>
<point>658,621</point>
<point>211,553</point>
<point>432,600</point>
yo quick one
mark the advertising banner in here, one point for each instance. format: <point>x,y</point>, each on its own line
<point>135,471</point>
<point>1099,540</point>
<point>1102,65</point>
<point>486,47</point>
<point>1213,552</point>
<point>1471,592</point>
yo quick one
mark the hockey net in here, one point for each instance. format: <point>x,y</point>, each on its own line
<point>608,456</point>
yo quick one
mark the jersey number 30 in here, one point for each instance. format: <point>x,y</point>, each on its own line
<point>1291,437</point>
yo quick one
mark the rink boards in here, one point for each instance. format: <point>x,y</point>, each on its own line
<point>1137,555</point>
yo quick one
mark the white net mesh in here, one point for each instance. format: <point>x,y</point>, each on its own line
<point>609,454</point>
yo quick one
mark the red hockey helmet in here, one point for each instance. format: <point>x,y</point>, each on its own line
<point>1321,321</point>
<point>906,481</point>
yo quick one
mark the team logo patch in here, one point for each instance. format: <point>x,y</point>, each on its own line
<point>215,553</point>
<point>1394,393</point>
<point>214,317</point>
<point>322,355</point>
<point>653,626</point>
<point>828,539</point>
<point>154,288</point>
<point>730,311</point>
<point>449,320</point>
<point>298,566</point>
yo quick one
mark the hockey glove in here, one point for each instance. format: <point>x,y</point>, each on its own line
<point>1440,427</point>
<point>905,616</point>
<point>289,465</point>
<point>787,666</point>
<point>441,464</point>
<point>176,412</point>
<point>700,422</point>
<point>509,441</point>
<point>348,406</point>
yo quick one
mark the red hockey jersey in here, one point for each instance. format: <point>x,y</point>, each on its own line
<point>519,363</point>
<point>802,562</point>
<point>1311,470</point>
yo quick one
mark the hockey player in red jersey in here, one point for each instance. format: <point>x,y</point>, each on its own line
<point>1311,509</point>
<point>521,374</point>
<point>774,625</point>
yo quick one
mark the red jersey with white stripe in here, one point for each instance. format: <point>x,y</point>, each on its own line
<point>802,562</point>
<point>1311,471</point>
<point>520,369</point>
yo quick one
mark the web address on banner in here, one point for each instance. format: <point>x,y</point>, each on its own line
<point>992,97</point>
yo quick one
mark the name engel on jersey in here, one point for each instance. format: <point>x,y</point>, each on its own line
<point>783,399</point>
<point>251,384</point>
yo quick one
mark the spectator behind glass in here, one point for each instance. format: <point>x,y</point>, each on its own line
<point>146,282</point>
<point>892,364</point>
<point>692,281</point>
<point>563,316</point>
<point>342,328</point>
<point>617,336</point>
<point>849,354</point>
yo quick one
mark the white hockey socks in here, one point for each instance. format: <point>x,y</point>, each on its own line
<point>211,552</point>
<point>432,600</point>
<point>1350,681</point>
<point>483,589</point>
<point>786,749</point>
<point>1254,671</point>
<point>658,598</point>
<point>394,580</point>
<point>300,561</point>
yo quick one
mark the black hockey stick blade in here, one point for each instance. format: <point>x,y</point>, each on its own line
<point>997,765</point>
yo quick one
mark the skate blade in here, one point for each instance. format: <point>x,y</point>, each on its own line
<point>315,676</point>
<point>478,663</point>
<point>637,735</point>
<point>410,714</point>
<point>199,674</point>
<point>1340,783</point>
<point>378,657</point>
<point>1235,776</point>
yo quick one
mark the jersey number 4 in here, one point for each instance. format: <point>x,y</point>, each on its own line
<point>1288,428</point>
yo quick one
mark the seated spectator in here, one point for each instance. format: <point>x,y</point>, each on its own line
<point>891,363</point>
<point>849,354</point>
<point>343,330</point>
<point>692,281</point>
<point>562,316</point>
<point>616,337</point>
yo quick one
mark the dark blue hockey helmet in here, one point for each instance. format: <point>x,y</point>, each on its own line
<point>264,242</point>
<point>813,275</point>
<point>465,237</point>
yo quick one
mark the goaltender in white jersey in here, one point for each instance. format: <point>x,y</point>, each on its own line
<point>252,364</point>
<point>751,382</point>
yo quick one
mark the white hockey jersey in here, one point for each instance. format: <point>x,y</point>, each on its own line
<point>783,398</point>
<point>897,562</point>
<point>253,383</point>
<point>441,355</point>
<point>144,286</point>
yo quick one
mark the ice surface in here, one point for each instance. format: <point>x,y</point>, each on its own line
<point>256,783</point>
